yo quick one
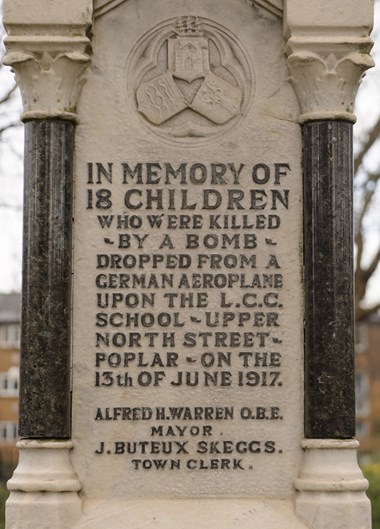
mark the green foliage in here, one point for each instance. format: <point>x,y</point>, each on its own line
<point>372,473</point>
<point>3,497</point>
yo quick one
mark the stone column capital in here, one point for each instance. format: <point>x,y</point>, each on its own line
<point>326,71</point>
<point>49,68</point>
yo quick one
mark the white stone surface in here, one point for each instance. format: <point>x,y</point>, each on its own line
<point>192,513</point>
<point>113,129</point>
<point>52,12</point>
<point>44,488</point>
<point>336,17</point>
<point>331,486</point>
<point>150,102</point>
<point>326,73</point>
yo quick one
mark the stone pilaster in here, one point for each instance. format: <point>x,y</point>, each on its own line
<point>45,342</point>
<point>326,66</point>
<point>326,70</point>
<point>328,247</point>
<point>49,61</point>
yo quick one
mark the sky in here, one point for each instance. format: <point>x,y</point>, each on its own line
<point>11,169</point>
<point>11,186</point>
<point>367,109</point>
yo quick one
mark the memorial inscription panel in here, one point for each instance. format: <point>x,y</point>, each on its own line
<point>188,345</point>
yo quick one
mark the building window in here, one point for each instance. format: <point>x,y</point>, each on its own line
<point>376,427</point>
<point>361,338</point>
<point>362,393</point>
<point>10,335</point>
<point>8,431</point>
<point>361,429</point>
<point>9,382</point>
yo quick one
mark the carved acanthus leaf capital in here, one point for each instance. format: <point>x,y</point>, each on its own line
<point>326,73</point>
<point>50,73</point>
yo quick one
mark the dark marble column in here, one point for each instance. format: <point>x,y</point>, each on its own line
<point>328,244</point>
<point>45,347</point>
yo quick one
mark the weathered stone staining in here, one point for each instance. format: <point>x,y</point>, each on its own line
<point>182,344</point>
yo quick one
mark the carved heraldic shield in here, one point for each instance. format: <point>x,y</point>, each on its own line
<point>200,82</point>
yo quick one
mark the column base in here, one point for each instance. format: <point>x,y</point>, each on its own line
<point>44,488</point>
<point>331,487</point>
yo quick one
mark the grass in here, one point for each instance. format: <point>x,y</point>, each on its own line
<point>3,497</point>
<point>372,473</point>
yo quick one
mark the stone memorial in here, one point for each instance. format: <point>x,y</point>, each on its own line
<point>187,351</point>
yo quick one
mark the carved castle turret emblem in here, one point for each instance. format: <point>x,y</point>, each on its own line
<point>188,54</point>
<point>191,78</point>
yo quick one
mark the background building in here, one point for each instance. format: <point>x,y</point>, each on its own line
<point>368,384</point>
<point>10,316</point>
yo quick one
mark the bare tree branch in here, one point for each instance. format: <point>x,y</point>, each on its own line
<point>10,206</point>
<point>9,126</point>
<point>372,137</point>
<point>359,249</point>
<point>369,194</point>
<point>361,314</point>
<point>8,94</point>
<point>373,265</point>
<point>373,178</point>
